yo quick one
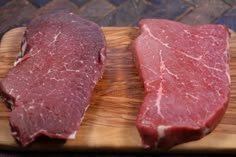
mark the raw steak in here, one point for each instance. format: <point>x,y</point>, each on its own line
<point>185,70</point>
<point>62,59</point>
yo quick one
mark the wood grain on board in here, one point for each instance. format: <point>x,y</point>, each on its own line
<point>109,122</point>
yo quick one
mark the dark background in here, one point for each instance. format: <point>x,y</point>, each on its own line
<point>16,13</point>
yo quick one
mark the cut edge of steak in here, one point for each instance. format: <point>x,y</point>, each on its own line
<point>155,125</point>
<point>85,61</point>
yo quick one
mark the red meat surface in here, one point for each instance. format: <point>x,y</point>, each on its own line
<point>185,70</point>
<point>61,61</point>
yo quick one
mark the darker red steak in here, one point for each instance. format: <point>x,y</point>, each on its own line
<point>185,70</point>
<point>61,61</point>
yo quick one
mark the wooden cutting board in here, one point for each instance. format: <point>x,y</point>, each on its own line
<point>109,122</point>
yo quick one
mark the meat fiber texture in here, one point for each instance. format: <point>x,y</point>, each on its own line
<point>61,61</point>
<point>185,70</point>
